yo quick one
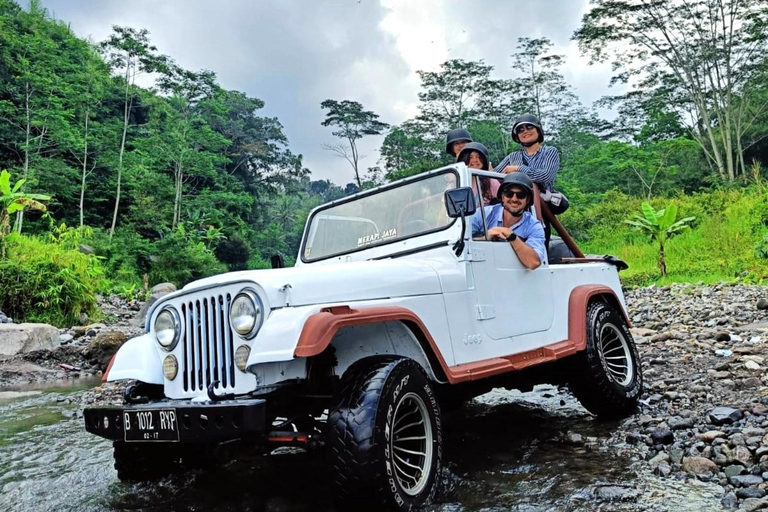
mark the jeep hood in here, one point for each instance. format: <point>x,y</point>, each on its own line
<point>346,282</point>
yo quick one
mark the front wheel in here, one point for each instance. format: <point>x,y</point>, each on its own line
<point>607,379</point>
<point>384,434</point>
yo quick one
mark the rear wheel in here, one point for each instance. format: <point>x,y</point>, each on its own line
<point>384,435</point>
<point>607,379</point>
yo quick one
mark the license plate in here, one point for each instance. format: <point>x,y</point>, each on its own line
<point>151,425</point>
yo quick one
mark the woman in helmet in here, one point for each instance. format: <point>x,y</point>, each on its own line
<point>475,156</point>
<point>536,160</point>
<point>456,140</point>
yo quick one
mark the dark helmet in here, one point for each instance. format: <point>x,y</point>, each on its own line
<point>456,135</point>
<point>527,119</point>
<point>517,178</point>
<point>475,146</point>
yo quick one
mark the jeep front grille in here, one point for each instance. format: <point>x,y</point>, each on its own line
<point>208,346</point>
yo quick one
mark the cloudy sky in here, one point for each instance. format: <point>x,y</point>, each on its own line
<point>294,54</point>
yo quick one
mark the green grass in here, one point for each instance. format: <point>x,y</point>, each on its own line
<point>726,243</point>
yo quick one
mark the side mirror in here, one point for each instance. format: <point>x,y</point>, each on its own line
<point>277,261</point>
<point>460,201</point>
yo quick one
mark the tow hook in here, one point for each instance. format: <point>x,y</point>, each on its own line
<point>216,398</point>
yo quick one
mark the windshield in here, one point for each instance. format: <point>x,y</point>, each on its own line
<point>404,211</point>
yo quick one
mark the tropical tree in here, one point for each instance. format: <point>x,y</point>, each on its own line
<point>353,124</point>
<point>13,200</point>
<point>703,53</point>
<point>661,226</point>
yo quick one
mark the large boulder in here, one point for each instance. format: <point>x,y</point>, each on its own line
<point>23,338</point>
<point>157,291</point>
<point>103,347</point>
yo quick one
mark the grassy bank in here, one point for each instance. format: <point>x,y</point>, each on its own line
<point>728,239</point>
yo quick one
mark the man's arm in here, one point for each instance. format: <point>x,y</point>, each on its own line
<point>527,255</point>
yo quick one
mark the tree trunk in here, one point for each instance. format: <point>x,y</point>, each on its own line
<point>25,176</point>
<point>85,167</point>
<point>662,261</point>
<point>126,116</point>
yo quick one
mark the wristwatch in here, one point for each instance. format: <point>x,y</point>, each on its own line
<point>512,237</point>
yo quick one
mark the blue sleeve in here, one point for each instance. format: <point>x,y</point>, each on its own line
<point>477,224</point>
<point>545,168</point>
<point>536,239</point>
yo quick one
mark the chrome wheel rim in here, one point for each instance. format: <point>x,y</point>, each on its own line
<point>616,355</point>
<point>411,444</point>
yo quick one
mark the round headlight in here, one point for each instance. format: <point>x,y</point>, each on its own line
<point>245,314</point>
<point>241,356</point>
<point>167,328</point>
<point>170,367</point>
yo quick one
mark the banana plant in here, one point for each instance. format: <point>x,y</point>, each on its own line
<point>13,200</point>
<point>660,225</point>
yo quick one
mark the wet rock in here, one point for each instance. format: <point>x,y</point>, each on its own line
<point>23,338</point>
<point>698,465</point>
<point>762,303</point>
<point>104,347</point>
<point>677,423</point>
<point>724,415</point>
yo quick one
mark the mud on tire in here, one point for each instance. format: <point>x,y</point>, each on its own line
<point>383,436</point>
<point>607,378</point>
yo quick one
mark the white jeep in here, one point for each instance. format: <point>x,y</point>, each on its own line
<point>392,312</point>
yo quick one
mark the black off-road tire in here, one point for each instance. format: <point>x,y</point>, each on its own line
<point>607,377</point>
<point>368,438</point>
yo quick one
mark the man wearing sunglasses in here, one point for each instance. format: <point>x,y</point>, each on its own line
<point>536,160</point>
<point>511,221</point>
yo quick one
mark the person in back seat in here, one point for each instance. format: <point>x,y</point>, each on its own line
<point>511,221</point>
<point>475,156</point>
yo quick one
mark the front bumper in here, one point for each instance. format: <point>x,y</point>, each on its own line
<point>197,422</point>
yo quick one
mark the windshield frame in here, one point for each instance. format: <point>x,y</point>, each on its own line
<point>451,169</point>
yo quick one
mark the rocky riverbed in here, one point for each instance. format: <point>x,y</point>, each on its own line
<point>701,428</point>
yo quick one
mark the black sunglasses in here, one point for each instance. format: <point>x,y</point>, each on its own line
<point>520,194</point>
<point>524,128</point>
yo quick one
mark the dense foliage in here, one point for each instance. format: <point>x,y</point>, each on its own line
<point>185,179</point>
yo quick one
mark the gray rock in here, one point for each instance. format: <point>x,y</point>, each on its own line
<point>745,480</point>
<point>4,319</point>
<point>762,303</point>
<point>612,493</point>
<point>662,436</point>
<point>22,338</point>
<point>751,504</point>
<point>733,470</point>
<point>750,492</point>
<point>724,415</point>
<point>65,339</point>
<point>730,500</point>
<point>104,347</point>
<point>163,288</point>
<point>677,423</point>
<point>723,352</point>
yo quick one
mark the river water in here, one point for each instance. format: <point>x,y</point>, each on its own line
<point>504,451</point>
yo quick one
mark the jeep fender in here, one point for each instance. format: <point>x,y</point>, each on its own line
<point>369,331</point>
<point>578,302</point>
<point>137,359</point>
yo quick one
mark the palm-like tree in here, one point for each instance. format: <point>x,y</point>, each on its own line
<point>661,226</point>
<point>12,200</point>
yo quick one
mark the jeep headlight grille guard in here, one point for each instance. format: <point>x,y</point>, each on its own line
<point>208,348</point>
